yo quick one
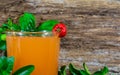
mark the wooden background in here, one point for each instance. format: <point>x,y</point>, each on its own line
<point>93,28</point>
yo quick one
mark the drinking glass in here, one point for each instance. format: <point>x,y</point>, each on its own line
<point>40,49</point>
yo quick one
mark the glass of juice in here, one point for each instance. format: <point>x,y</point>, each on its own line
<point>40,49</point>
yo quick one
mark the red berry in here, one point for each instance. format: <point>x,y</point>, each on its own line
<point>61,29</point>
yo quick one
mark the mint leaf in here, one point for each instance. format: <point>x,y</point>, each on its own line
<point>3,45</point>
<point>5,73</point>
<point>10,26</point>
<point>86,68</point>
<point>62,70</point>
<point>6,67</point>
<point>98,73</point>
<point>4,27</point>
<point>10,23</point>
<point>4,63</point>
<point>47,25</point>
<point>10,62</point>
<point>1,62</point>
<point>73,70</point>
<point>83,72</point>
<point>15,27</point>
<point>1,30</point>
<point>3,37</point>
<point>27,22</point>
<point>26,70</point>
<point>105,70</point>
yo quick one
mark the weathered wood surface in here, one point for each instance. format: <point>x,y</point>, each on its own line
<point>93,30</point>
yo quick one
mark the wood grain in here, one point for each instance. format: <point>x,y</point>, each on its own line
<point>93,30</point>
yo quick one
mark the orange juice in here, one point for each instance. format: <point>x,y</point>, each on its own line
<point>42,52</point>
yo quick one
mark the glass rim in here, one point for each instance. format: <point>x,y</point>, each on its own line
<point>25,33</point>
<point>29,32</point>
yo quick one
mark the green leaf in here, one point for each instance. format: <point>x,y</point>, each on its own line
<point>10,23</point>
<point>1,30</point>
<point>3,45</point>
<point>1,62</point>
<point>3,37</point>
<point>27,22</point>
<point>1,72</point>
<point>4,63</point>
<point>5,73</point>
<point>98,73</point>
<point>62,70</point>
<point>5,27</point>
<point>10,62</point>
<point>82,72</point>
<point>27,70</point>
<point>47,25</point>
<point>15,27</point>
<point>59,73</point>
<point>0,37</point>
<point>105,70</point>
<point>2,41</point>
<point>10,26</point>
<point>86,68</point>
<point>73,70</point>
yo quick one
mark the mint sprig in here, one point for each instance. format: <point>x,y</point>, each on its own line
<point>6,67</point>
<point>27,22</point>
<point>8,26</point>
<point>85,71</point>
